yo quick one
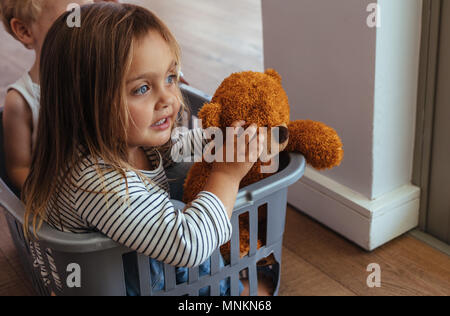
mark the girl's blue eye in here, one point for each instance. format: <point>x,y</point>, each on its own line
<point>171,79</point>
<point>142,90</point>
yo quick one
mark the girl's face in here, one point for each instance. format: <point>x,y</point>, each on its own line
<point>152,92</point>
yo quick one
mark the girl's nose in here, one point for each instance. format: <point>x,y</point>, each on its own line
<point>165,100</point>
<point>162,105</point>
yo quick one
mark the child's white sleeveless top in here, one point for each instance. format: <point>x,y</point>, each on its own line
<point>31,92</point>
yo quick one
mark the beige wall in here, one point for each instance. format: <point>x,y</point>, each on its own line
<point>326,54</point>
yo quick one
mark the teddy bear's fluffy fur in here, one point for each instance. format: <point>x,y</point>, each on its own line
<point>260,98</point>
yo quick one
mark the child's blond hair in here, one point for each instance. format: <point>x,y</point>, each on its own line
<point>26,11</point>
<point>92,60</point>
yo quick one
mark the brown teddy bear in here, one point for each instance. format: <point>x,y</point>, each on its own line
<point>260,98</point>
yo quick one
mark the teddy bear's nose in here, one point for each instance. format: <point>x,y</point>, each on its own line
<point>283,134</point>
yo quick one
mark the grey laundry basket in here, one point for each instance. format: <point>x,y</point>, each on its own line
<point>100,260</point>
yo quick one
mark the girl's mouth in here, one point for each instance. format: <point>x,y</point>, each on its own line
<point>162,125</point>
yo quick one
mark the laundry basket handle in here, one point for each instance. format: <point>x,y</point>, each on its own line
<point>289,175</point>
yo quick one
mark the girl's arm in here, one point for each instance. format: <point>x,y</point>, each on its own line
<point>17,129</point>
<point>216,183</point>
<point>147,222</point>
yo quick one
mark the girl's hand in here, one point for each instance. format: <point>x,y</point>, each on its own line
<point>247,147</point>
<point>226,176</point>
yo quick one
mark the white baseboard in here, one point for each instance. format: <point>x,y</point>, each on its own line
<point>368,223</point>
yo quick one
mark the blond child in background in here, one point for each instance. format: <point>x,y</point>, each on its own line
<point>28,22</point>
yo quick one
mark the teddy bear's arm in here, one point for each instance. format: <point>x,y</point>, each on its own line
<point>319,143</point>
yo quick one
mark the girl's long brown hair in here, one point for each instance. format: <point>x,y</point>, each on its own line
<point>83,104</point>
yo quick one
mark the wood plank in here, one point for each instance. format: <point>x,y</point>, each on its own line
<point>299,278</point>
<point>11,283</point>
<point>13,280</point>
<point>12,261</point>
<point>401,271</point>
<point>217,38</point>
<point>427,268</point>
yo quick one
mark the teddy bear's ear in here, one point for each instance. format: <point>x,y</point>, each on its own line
<point>274,74</point>
<point>210,115</point>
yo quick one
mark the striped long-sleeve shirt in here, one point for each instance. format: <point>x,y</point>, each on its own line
<point>144,219</point>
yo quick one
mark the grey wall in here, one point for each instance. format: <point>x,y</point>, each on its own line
<point>326,54</point>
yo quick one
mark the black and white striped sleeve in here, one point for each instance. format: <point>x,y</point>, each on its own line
<point>146,221</point>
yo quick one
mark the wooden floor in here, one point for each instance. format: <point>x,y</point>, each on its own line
<point>318,261</point>
<point>218,38</point>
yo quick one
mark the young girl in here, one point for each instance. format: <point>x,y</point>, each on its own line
<point>109,103</point>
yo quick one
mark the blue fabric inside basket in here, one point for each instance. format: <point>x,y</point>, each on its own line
<point>182,274</point>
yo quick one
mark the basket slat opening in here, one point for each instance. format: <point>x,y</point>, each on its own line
<point>262,225</point>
